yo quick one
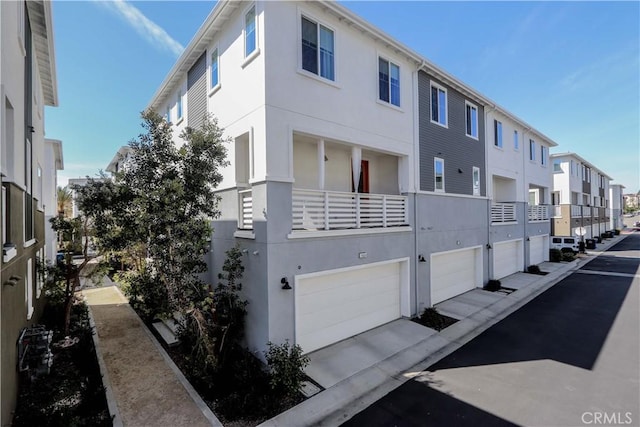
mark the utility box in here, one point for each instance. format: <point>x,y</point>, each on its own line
<point>34,352</point>
<point>590,243</point>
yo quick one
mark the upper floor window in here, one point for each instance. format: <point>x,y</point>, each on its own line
<point>250,31</point>
<point>476,181</point>
<point>557,166</point>
<point>389,82</point>
<point>532,150</point>
<point>179,104</point>
<point>438,104</point>
<point>543,155</point>
<point>471,118</point>
<point>167,114</point>
<point>438,174</point>
<point>317,49</point>
<point>516,142</point>
<point>215,73</point>
<point>497,133</point>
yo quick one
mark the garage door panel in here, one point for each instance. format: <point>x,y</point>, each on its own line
<point>537,251</point>
<point>348,310</point>
<point>453,273</point>
<point>505,259</point>
<point>334,306</point>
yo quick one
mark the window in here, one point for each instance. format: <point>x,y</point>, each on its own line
<point>215,73</point>
<point>516,143</point>
<point>5,211</point>
<point>179,104</point>
<point>28,194</point>
<point>555,198</point>
<point>438,172</point>
<point>317,49</point>
<point>588,174</point>
<point>573,168</point>
<point>471,118</point>
<point>557,166</point>
<point>532,150</point>
<point>438,104</point>
<point>28,288</point>
<point>543,155</point>
<point>389,82</point>
<point>476,181</point>
<point>497,133</point>
<point>167,115</point>
<point>250,31</point>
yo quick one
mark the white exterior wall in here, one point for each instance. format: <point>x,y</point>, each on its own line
<point>505,162</point>
<point>565,182</point>
<point>537,174</point>
<point>346,110</point>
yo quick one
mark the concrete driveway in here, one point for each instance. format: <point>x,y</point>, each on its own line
<point>569,357</point>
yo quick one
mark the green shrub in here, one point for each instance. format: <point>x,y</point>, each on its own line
<point>286,367</point>
<point>568,256</point>
<point>492,285</point>
<point>555,255</point>
<point>145,295</point>
<point>533,269</point>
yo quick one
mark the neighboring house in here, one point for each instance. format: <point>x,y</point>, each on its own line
<point>27,84</point>
<point>53,163</point>
<point>357,183</point>
<point>631,201</point>
<point>616,206</point>
<point>580,196</point>
<point>75,211</point>
<point>119,160</point>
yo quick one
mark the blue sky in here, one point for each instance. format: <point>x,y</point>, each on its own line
<point>570,69</point>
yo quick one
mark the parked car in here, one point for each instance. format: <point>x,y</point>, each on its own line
<point>636,224</point>
<point>565,243</point>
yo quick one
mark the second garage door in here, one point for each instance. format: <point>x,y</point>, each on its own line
<point>455,272</point>
<point>336,305</point>
<point>506,258</point>
<point>538,249</point>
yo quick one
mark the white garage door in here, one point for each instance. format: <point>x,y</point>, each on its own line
<point>333,306</point>
<point>453,273</point>
<point>538,249</point>
<point>506,258</point>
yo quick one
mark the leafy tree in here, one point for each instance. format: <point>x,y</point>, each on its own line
<point>155,215</point>
<point>65,199</point>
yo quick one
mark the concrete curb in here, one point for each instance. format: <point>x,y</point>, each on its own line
<point>108,391</point>
<point>339,403</point>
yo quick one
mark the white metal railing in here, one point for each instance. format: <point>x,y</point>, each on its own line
<point>586,211</point>
<point>576,211</point>
<point>245,201</point>
<point>538,213</point>
<point>333,210</point>
<point>557,211</point>
<point>503,212</point>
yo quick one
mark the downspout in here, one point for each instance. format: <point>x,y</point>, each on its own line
<point>416,181</point>
<point>488,246</point>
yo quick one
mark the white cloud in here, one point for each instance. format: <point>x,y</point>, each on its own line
<point>148,29</point>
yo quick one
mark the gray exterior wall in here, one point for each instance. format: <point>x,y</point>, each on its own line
<point>446,223</point>
<point>459,151</point>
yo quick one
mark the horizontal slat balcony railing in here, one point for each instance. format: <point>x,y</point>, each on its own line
<point>576,211</point>
<point>538,213</point>
<point>586,211</point>
<point>245,200</point>
<point>503,212</point>
<point>333,210</point>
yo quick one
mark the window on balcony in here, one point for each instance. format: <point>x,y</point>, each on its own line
<point>438,173</point>
<point>317,49</point>
<point>557,166</point>
<point>471,118</point>
<point>543,155</point>
<point>438,104</point>
<point>497,133</point>
<point>388,82</point>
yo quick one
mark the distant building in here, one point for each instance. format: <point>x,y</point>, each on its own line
<point>119,160</point>
<point>631,201</point>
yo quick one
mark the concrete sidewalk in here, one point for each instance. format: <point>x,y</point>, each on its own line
<point>143,386</point>
<point>349,390</point>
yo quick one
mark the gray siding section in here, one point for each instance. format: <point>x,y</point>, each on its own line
<point>197,92</point>
<point>460,152</point>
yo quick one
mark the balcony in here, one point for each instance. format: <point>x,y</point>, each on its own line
<point>245,209</point>
<point>538,213</point>
<point>503,213</point>
<point>576,211</point>
<point>334,210</point>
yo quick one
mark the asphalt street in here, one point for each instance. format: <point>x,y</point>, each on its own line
<point>570,357</point>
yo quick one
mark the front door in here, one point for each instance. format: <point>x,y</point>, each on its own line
<point>363,185</point>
